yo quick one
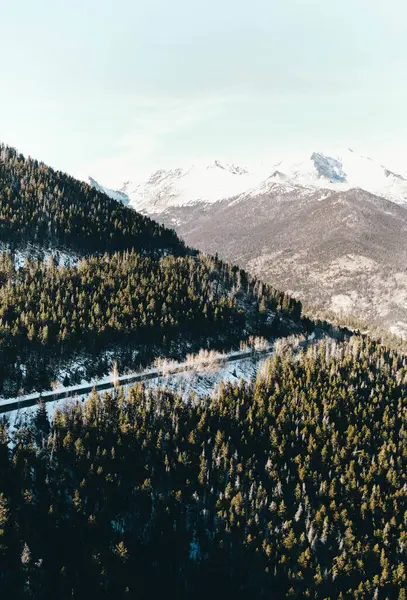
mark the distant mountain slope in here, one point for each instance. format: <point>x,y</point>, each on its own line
<point>344,251</point>
<point>309,225</point>
<point>118,195</point>
<point>214,181</point>
<point>51,209</point>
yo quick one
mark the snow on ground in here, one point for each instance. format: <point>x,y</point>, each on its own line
<point>202,381</point>
<point>343,170</point>
<point>205,381</point>
<point>201,374</point>
<point>18,418</point>
<point>33,251</point>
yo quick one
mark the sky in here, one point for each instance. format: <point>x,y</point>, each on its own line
<point>117,89</point>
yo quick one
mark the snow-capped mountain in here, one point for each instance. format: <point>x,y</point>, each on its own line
<point>208,183</point>
<point>119,195</point>
<point>343,171</point>
<point>197,183</point>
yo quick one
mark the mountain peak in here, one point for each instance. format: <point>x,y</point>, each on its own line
<point>328,167</point>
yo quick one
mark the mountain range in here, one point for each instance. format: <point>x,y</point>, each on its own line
<point>330,228</point>
<point>215,181</point>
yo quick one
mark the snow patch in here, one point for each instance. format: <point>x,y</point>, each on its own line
<point>36,252</point>
<point>400,329</point>
<point>342,303</point>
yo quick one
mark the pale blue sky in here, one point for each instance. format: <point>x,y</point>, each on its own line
<point>118,88</point>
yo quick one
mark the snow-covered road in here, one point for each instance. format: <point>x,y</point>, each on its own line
<point>12,404</point>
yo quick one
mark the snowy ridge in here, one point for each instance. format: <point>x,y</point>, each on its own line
<point>198,183</point>
<point>343,171</point>
<point>209,183</point>
<point>119,195</point>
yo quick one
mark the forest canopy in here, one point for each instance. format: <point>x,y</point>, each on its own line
<point>293,486</point>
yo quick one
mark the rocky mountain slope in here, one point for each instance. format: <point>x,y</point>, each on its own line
<point>343,251</point>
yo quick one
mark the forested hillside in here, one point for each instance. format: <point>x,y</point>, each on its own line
<point>48,312</point>
<point>138,291</point>
<point>125,294</point>
<point>292,487</point>
<point>51,209</point>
